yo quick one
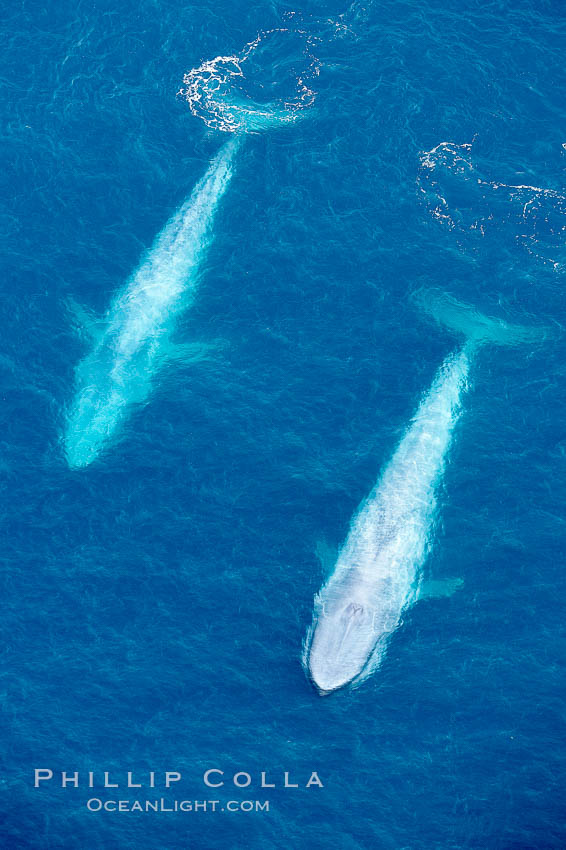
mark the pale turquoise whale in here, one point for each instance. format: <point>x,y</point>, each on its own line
<point>134,336</point>
<point>378,573</point>
<point>133,339</point>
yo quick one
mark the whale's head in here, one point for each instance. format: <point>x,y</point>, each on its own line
<point>83,447</point>
<point>91,423</point>
<point>342,640</point>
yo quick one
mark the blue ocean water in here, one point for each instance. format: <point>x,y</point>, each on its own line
<point>155,602</point>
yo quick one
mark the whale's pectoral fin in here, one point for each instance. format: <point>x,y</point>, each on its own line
<point>85,322</point>
<point>436,588</point>
<point>185,353</point>
<point>327,556</point>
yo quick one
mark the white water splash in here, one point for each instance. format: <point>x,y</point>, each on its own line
<point>459,197</point>
<point>218,90</point>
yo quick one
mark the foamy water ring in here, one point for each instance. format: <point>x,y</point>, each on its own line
<point>219,92</point>
<point>468,202</point>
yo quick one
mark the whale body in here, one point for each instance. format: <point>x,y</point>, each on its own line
<point>378,571</point>
<point>135,337</point>
<point>135,332</point>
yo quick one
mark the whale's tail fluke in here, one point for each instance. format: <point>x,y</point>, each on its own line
<point>477,328</point>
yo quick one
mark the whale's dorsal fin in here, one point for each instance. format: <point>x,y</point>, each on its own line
<point>85,322</point>
<point>185,353</point>
<point>437,588</point>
